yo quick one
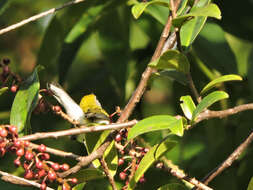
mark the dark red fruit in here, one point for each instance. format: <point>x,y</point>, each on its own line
<point>55,166</point>
<point>51,175</point>
<point>142,179</point>
<point>118,137</point>
<point>17,143</point>
<point>74,180</point>
<point>2,151</point>
<point>39,164</point>
<point>41,173</point>
<point>42,148</point>
<point>20,152</point>
<point>25,165</point>
<point>14,88</point>
<point>122,175</point>
<point>120,161</point>
<point>26,143</point>
<point>64,167</point>
<point>28,174</point>
<point>28,155</point>
<point>3,132</point>
<point>56,108</point>
<point>45,156</point>
<point>43,186</point>
<point>17,162</point>
<point>13,129</point>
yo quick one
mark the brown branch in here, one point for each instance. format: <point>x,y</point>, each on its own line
<point>193,88</point>
<point>87,159</point>
<point>38,16</point>
<point>228,162</point>
<point>19,180</point>
<point>107,173</point>
<point>77,131</point>
<point>208,114</point>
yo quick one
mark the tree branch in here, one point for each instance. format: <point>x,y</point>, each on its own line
<point>107,173</point>
<point>38,16</point>
<point>77,131</point>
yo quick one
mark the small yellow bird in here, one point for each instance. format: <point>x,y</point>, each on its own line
<point>89,112</point>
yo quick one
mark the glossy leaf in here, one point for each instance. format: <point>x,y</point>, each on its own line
<point>187,106</point>
<point>155,123</point>
<point>174,75</point>
<point>208,101</point>
<point>3,90</point>
<point>250,186</point>
<point>139,8</point>
<point>219,80</point>
<point>210,10</point>
<point>172,59</point>
<point>88,174</point>
<point>182,7</point>
<point>190,29</point>
<point>24,102</point>
<point>172,186</point>
<point>153,155</point>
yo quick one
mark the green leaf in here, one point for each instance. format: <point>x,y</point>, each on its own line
<point>190,29</point>
<point>155,123</point>
<point>79,186</point>
<point>174,75</point>
<point>88,174</point>
<point>250,186</point>
<point>24,102</point>
<point>172,59</point>
<point>182,7</point>
<point>187,106</point>
<point>208,101</point>
<point>219,80</point>
<point>111,158</point>
<point>210,10</point>
<point>172,186</point>
<point>139,8</point>
<point>153,155</point>
<point>3,90</point>
<point>3,5</point>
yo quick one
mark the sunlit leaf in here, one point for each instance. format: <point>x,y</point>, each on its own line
<point>79,186</point>
<point>3,90</point>
<point>219,80</point>
<point>187,106</point>
<point>24,102</point>
<point>153,155</point>
<point>250,186</point>
<point>210,10</point>
<point>139,8</point>
<point>155,123</point>
<point>208,101</point>
<point>172,59</point>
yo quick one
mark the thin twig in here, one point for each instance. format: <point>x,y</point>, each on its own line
<point>107,173</point>
<point>228,162</point>
<point>19,180</point>
<point>38,16</point>
<point>77,131</point>
<point>208,114</point>
<point>193,88</point>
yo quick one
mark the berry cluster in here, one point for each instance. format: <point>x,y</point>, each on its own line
<point>128,152</point>
<point>7,76</point>
<point>36,163</point>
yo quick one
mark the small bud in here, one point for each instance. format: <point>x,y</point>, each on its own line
<point>120,161</point>
<point>28,174</point>
<point>14,88</point>
<point>118,137</point>
<point>42,148</point>
<point>3,132</point>
<point>20,152</point>
<point>17,162</point>
<point>122,175</point>
<point>64,167</point>
<point>28,155</point>
<point>51,175</point>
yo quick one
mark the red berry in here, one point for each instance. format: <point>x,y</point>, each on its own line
<point>41,173</point>
<point>25,165</point>
<point>51,175</point>
<point>17,143</point>
<point>28,174</point>
<point>122,175</point>
<point>64,167</point>
<point>14,88</point>
<point>17,162</point>
<point>118,137</point>
<point>2,151</point>
<point>3,144</point>
<point>13,129</point>
<point>28,155</point>
<point>142,179</point>
<point>20,152</point>
<point>42,148</point>
<point>74,180</point>
<point>56,108</point>
<point>65,186</point>
<point>120,161</point>
<point>43,186</point>
<point>146,150</point>
<point>26,143</point>
<point>55,166</point>
<point>3,132</point>
<point>45,156</point>
<point>39,164</point>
